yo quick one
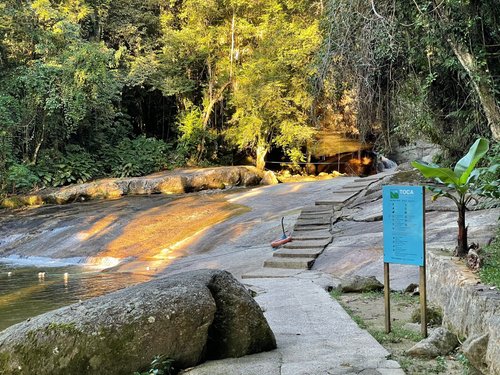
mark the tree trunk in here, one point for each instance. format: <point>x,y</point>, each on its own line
<point>481,83</point>
<point>462,248</point>
<point>261,157</point>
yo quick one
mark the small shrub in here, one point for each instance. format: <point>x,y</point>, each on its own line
<point>490,271</point>
<point>434,316</point>
<point>488,178</point>
<point>75,166</point>
<point>20,178</point>
<point>161,365</point>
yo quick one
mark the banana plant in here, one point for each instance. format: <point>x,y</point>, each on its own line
<point>457,185</point>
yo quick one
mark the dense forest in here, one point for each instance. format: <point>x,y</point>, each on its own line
<point>92,88</point>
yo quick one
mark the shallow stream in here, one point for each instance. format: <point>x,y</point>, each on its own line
<point>29,291</point>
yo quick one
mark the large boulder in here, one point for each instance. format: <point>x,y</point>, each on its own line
<point>440,342</point>
<point>188,317</point>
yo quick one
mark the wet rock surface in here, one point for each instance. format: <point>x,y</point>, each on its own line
<point>189,317</point>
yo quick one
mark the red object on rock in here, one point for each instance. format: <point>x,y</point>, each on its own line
<point>281,241</point>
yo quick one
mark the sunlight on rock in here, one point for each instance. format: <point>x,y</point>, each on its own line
<point>251,193</point>
<point>103,262</point>
<point>157,236</point>
<point>100,228</point>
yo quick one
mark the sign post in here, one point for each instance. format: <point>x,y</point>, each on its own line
<point>404,239</point>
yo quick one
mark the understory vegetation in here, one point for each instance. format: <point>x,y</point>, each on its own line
<point>367,310</point>
<point>490,269</point>
<point>124,88</point>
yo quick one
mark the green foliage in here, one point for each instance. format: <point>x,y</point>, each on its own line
<point>488,177</point>
<point>137,157</point>
<point>490,269</point>
<point>75,166</point>
<point>161,365</point>
<point>416,70</point>
<point>397,334</point>
<point>458,181</point>
<point>434,316</point>
<point>20,178</point>
<point>413,117</point>
<point>466,366</point>
<point>192,131</point>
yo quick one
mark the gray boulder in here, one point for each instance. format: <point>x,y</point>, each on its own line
<point>188,317</point>
<point>474,348</point>
<point>440,342</point>
<point>359,284</point>
<point>269,178</point>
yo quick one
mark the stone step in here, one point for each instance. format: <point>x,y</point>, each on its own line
<point>306,244</point>
<point>293,263</point>
<point>313,217</point>
<point>270,273</point>
<point>301,228</point>
<point>307,216</point>
<point>299,253</point>
<point>336,203</point>
<point>319,221</point>
<point>316,209</point>
<point>312,235</point>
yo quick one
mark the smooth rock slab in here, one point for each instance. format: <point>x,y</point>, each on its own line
<point>188,317</point>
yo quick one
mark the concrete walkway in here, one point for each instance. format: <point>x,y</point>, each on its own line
<point>315,336</point>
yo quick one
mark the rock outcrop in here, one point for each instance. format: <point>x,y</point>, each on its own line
<point>469,309</point>
<point>170,182</point>
<point>188,317</point>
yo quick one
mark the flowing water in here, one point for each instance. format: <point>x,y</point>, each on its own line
<point>60,251</point>
<point>29,291</point>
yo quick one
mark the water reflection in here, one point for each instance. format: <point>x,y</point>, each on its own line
<point>28,291</point>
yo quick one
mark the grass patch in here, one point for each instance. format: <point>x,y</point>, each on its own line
<point>397,334</point>
<point>490,271</point>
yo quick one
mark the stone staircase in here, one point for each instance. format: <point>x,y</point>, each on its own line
<point>312,233</point>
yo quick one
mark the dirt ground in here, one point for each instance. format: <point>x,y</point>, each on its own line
<point>367,309</point>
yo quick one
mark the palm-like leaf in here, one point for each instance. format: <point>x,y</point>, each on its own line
<point>443,175</point>
<point>466,165</point>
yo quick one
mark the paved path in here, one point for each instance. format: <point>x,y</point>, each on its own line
<point>315,336</point>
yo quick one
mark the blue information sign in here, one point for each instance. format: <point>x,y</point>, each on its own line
<point>403,208</point>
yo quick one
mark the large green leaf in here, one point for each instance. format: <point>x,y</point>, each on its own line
<point>466,165</point>
<point>443,175</point>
